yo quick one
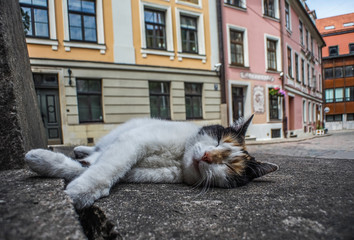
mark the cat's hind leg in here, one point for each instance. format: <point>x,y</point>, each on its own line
<point>83,151</point>
<point>51,164</point>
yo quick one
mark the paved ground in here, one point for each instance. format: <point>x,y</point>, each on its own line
<point>310,197</point>
<point>338,145</point>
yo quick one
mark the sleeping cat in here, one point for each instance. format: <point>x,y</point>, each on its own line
<point>158,151</point>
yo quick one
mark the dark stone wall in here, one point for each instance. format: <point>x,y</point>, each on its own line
<point>21,127</point>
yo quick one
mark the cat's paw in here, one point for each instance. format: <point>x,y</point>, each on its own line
<point>41,161</point>
<point>84,195</point>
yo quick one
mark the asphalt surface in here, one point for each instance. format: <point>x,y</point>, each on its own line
<point>310,197</point>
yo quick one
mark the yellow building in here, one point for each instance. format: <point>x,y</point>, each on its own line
<point>99,63</point>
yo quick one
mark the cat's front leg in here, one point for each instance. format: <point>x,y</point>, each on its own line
<point>98,179</point>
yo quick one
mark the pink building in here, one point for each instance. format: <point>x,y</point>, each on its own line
<point>255,43</point>
<point>302,44</point>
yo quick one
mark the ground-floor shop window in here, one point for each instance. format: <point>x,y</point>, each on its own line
<point>334,118</point>
<point>89,100</point>
<point>350,116</point>
<point>159,99</point>
<point>193,97</point>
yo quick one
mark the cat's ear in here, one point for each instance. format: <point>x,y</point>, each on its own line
<point>242,125</point>
<point>257,169</point>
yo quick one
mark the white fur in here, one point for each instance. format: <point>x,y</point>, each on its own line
<point>141,150</point>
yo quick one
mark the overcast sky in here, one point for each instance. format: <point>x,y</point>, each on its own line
<point>329,8</point>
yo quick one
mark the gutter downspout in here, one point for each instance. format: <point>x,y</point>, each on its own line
<point>285,119</point>
<point>224,113</point>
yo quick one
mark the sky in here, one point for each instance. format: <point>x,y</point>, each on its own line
<point>329,8</point>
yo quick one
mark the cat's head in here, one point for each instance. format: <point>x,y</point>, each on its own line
<point>217,156</point>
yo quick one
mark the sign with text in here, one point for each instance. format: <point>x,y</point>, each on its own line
<point>255,76</point>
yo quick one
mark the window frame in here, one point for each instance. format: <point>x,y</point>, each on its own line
<point>339,99</point>
<point>290,62</point>
<point>329,92</point>
<point>266,7</point>
<point>332,118</point>
<point>82,16</point>
<point>273,108</point>
<point>188,31</point>
<point>236,3</point>
<point>236,43</point>
<point>274,51</point>
<point>301,32</point>
<point>287,16</point>
<point>303,71</point>
<point>32,8</point>
<point>194,96</point>
<point>160,95</point>
<point>351,71</point>
<point>89,93</point>
<point>334,48</point>
<point>297,71</point>
<point>155,39</point>
<point>349,90</point>
<point>351,48</point>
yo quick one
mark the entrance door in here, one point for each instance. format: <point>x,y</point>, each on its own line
<point>237,102</point>
<point>48,101</point>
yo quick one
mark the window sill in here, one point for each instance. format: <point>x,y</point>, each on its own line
<point>244,9</point>
<point>48,42</point>
<point>275,121</point>
<point>272,71</point>
<point>192,56</point>
<point>69,45</point>
<point>145,52</point>
<point>271,18</point>
<point>190,4</point>
<point>239,66</point>
<point>288,30</point>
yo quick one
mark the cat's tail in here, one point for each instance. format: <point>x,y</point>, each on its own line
<point>51,164</point>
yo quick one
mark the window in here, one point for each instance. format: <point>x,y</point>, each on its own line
<point>290,64</point>
<point>333,51</point>
<point>297,74</point>
<point>193,96</point>
<point>329,95</point>
<point>338,72</point>
<point>272,54</point>
<point>269,8</point>
<point>189,34</point>
<point>312,45</point>
<point>160,100</point>
<point>190,1</point>
<point>349,94</point>
<point>287,16</point>
<point>89,95</point>
<point>349,71</point>
<point>303,71</point>
<point>309,115</point>
<point>349,24</point>
<point>37,10</point>
<point>273,107</point>
<point>308,75</point>
<point>313,78</point>
<point>236,3</point>
<point>338,94</point>
<point>307,39</point>
<point>334,118</point>
<point>328,73</point>
<point>329,27</point>
<point>304,111</point>
<point>350,116</point>
<point>155,29</point>
<point>82,20</point>
<point>301,29</point>
<point>351,48</point>
<point>236,48</point>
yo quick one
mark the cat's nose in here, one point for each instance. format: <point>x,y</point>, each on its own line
<point>206,157</point>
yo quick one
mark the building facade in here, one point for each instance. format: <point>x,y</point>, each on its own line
<point>302,68</point>
<point>99,63</point>
<point>272,66</point>
<point>338,68</point>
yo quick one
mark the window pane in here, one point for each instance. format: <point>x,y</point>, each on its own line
<point>74,5</point>
<point>339,94</point>
<point>41,29</point>
<point>25,1</point>
<point>349,71</point>
<point>328,73</point>
<point>29,13</point>
<point>88,6</point>
<point>75,20</point>
<point>82,85</point>
<point>329,95</point>
<point>40,3</point>
<point>96,110</point>
<point>94,85</point>
<point>339,72</point>
<point>84,109</point>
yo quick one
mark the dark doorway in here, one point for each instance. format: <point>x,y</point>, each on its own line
<point>291,113</point>
<point>237,103</point>
<point>48,100</point>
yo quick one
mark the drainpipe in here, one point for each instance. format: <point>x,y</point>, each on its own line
<point>285,122</point>
<point>221,59</point>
